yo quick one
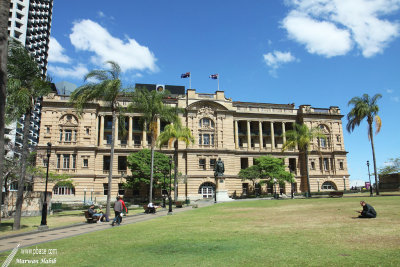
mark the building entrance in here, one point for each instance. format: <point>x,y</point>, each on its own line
<point>206,190</point>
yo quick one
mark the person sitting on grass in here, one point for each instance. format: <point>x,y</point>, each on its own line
<point>100,211</point>
<point>367,212</point>
<point>94,215</point>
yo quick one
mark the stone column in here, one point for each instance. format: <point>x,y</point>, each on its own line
<point>260,134</point>
<point>130,131</point>
<point>248,135</point>
<point>283,132</point>
<point>101,130</point>
<point>236,135</point>
<point>272,136</point>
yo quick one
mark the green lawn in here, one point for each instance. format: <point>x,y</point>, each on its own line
<point>301,232</point>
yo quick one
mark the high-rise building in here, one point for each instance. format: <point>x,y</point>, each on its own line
<point>30,22</point>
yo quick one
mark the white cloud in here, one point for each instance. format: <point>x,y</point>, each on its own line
<point>89,36</point>
<point>101,14</point>
<point>77,72</point>
<point>56,52</point>
<point>360,22</point>
<point>276,59</point>
<point>389,91</point>
<point>395,99</point>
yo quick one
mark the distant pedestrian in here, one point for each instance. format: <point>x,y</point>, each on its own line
<point>124,208</point>
<point>117,211</point>
<point>367,212</point>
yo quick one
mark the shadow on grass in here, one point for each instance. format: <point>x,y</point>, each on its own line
<point>7,226</point>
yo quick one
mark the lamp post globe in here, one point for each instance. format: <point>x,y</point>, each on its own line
<point>43,223</point>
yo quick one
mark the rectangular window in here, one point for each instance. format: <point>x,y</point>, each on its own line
<point>75,135</point>
<point>122,166</point>
<point>202,164</point>
<point>74,161</point>
<point>105,189</point>
<point>322,142</point>
<point>341,166</point>
<point>121,189</point>
<point>109,139</point>
<point>206,139</point>
<point>48,129</point>
<point>212,139</point>
<point>338,139</point>
<point>200,139</point>
<point>212,163</point>
<point>85,163</point>
<point>87,129</point>
<point>58,161</point>
<point>326,164</point>
<point>66,161</point>
<point>68,136</point>
<point>44,162</point>
<point>312,165</point>
<point>136,140</point>
<point>244,163</point>
<point>106,163</point>
<point>61,134</point>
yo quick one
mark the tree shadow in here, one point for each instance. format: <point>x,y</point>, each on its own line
<point>8,226</point>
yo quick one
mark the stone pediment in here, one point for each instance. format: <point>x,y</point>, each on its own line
<point>206,107</point>
<point>68,120</point>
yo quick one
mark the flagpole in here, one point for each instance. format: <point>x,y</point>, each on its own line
<point>218,81</point>
<point>190,80</point>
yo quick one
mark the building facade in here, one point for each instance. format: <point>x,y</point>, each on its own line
<point>236,132</point>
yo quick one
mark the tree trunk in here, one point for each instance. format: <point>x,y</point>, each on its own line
<point>151,170</point>
<point>108,208</point>
<point>307,173</point>
<point>176,171</point>
<point>4,9</point>
<point>373,157</point>
<point>24,157</point>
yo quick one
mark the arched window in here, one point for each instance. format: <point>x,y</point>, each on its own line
<point>328,186</point>
<point>207,190</point>
<point>63,189</point>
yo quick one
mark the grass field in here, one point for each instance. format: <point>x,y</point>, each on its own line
<point>301,232</point>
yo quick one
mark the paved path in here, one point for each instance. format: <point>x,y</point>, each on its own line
<point>37,237</point>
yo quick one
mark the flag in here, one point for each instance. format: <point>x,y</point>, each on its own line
<point>185,75</point>
<point>214,76</point>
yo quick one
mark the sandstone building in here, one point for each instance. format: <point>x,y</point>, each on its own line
<point>237,132</point>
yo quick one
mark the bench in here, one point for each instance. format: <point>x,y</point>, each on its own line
<point>90,219</point>
<point>178,204</point>
<point>335,194</point>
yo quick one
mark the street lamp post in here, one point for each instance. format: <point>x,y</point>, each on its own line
<point>163,195</point>
<point>43,223</point>
<point>275,196</point>
<point>318,184</point>
<point>344,183</point>
<point>84,196</point>
<point>370,185</point>
<point>170,187</point>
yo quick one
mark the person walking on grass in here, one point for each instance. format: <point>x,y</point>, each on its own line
<point>367,212</point>
<point>117,210</point>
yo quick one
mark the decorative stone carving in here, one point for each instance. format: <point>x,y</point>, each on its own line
<point>205,111</point>
<point>68,120</point>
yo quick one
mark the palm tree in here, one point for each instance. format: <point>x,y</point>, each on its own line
<point>4,9</point>
<point>173,133</point>
<point>366,107</point>
<point>24,87</point>
<point>301,136</point>
<point>107,87</point>
<point>150,104</point>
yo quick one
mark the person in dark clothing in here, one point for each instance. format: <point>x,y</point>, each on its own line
<point>367,212</point>
<point>117,211</point>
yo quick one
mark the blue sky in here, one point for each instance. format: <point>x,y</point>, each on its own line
<point>317,52</point>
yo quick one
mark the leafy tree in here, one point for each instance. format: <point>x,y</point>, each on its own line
<point>25,86</point>
<point>139,163</point>
<point>366,107</point>
<point>273,168</point>
<point>301,136</point>
<point>173,133</point>
<point>150,104</point>
<point>4,9</point>
<point>393,166</point>
<point>267,169</point>
<point>107,87</point>
<point>252,173</point>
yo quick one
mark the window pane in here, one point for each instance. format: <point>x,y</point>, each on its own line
<point>206,138</point>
